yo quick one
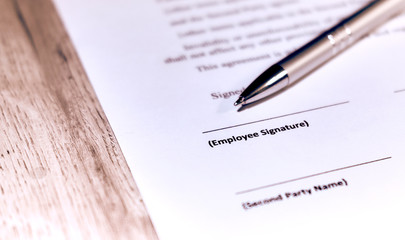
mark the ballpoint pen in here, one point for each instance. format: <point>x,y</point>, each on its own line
<point>319,50</point>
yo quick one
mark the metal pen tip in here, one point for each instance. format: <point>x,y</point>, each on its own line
<point>239,101</point>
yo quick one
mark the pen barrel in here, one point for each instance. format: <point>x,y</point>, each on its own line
<point>339,37</point>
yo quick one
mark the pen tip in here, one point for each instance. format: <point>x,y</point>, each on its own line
<point>239,101</point>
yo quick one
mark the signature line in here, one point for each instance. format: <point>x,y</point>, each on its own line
<point>281,116</point>
<point>310,176</point>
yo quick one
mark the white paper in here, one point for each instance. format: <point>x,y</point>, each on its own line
<point>167,73</point>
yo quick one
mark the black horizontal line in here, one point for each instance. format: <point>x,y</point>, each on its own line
<point>281,116</point>
<point>398,91</point>
<point>310,176</point>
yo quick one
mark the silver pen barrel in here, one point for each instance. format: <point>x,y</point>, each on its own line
<point>339,38</point>
<point>320,50</point>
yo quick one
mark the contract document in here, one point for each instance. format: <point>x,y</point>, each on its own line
<point>324,159</point>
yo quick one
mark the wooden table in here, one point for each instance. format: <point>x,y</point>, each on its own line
<point>63,174</point>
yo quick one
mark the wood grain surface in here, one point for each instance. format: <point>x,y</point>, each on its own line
<point>63,175</point>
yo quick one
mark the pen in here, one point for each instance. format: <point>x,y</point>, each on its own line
<point>319,50</point>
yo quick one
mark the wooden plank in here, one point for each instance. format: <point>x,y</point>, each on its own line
<point>62,172</point>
